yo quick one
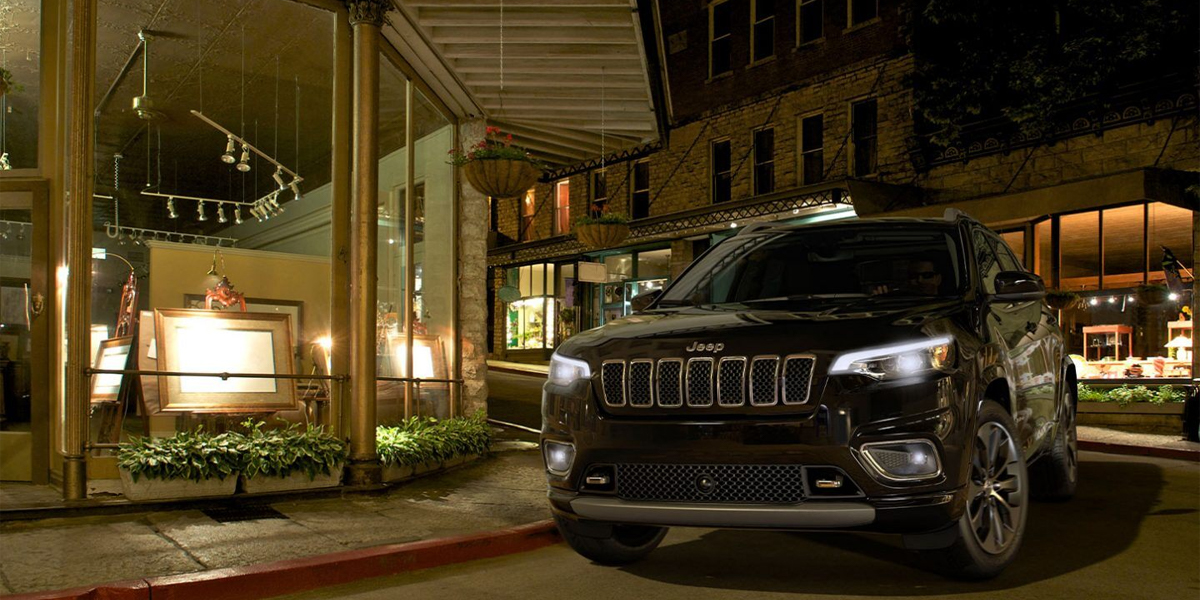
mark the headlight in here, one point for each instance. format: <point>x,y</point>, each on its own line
<point>565,371</point>
<point>897,361</point>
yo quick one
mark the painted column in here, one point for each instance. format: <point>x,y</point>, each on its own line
<point>366,18</point>
<point>339,321</point>
<point>79,248</point>
<point>473,282</point>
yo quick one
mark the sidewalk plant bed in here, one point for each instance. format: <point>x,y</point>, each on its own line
<point>1127,395</point>
<point>605,230</point>
<point>422,444</point>
<point>495,167</point>
<point>279,460</point>
<point>185,465</point>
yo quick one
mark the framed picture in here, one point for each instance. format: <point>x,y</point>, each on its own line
<point>295,308</point>
<point>113,354</point>
<point>429,362</point>
<point>207,341</point>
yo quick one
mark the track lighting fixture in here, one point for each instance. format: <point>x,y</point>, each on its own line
<point>278,177</point>
<point>171,209</point>
<point>295,185</point>
<point>244,164</point>
<point>200,212</point>
<point>221,214</point>
<point>237,215</point>
<point>228,158</point>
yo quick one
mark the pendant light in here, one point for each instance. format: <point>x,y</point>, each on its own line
<point>244,164</point>
<point>228,158</point>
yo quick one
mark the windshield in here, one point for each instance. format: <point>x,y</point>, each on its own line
<point>851,262</point>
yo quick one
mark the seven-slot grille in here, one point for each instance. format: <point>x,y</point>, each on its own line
<point>758,484</point>
<point>702,382</point>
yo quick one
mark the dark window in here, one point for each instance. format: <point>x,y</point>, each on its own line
<point>764,29</point>
<point>862,11</point>
<point>863,122</point>
<point>812,149</point>
<point>528,211</point>
<point>494,213</point>
<point>985,257</point>
<point>641,189</point>
<point>812,15</point>
<point>764,161</point>
<point>720,45</point>
<point>722,166</point>
<point>599,192</point>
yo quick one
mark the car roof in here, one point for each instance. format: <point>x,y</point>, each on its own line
<point>951,219</point>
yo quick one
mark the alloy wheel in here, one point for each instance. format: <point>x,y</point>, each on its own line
<point>997,489</point>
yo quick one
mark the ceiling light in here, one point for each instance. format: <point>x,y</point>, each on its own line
<point>1112,300</point>
<point>221,214</point>
<point>237,214</point>
<point>228,158</point>
<point>200,212</point>
<point>244,164</point>
<point>295,185</point>
<point>171,209</point>
<point>1094,301</point>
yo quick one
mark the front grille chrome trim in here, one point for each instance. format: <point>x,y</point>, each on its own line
<point>606,387</point>
<point>722,392</point>
<point>658,383</point>
<point>772,389</point>
<point>634,397</point>
<point>806,385</point>
<point>708,385</point>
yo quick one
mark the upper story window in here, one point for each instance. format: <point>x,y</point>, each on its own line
<point>493,214</point>
<point>640,201</point>
<point>528,211</point>
<point>762,31</point>
<point>862,11</point>
<point>721,165</point>
<point>810,15</point>
<point>812,149</point>
<point>864,134</point>
<point>599,191</point>
<point>720,39</point>
<point>764,161</point>
<point>562,207</point>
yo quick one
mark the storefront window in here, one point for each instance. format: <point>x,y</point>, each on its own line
<point>20,56</point>
<point>1043,253</point>
<point>1016,242</point>
<point>1169,226</point>
<point>1079,240</point>
<point>630,275</point>
<point>1124,254</point>
<point>531,319</point>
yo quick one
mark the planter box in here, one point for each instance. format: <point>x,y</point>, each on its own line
<point>1140,417</point>
<point>296,481</point>
<point>145,489</point>
<point>394,473</point>
<point>1133,408</point>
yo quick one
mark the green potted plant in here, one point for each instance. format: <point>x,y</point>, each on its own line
<point>6,82</point>
<point>1151,294</point>
<point>1061,299</point>
<point>421,444</point>
<point>602,230</point>
<point>185,465</point>
<point>495,167</point>
<point>289,459</point>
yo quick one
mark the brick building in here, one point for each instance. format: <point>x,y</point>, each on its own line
<point>797,110</point>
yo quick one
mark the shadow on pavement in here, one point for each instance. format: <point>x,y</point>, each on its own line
<point>1101,522</point>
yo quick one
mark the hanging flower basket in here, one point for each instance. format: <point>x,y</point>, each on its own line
<point>598,236</point>
<point>501,177</point>
<point>495,167</point>
<point>1150,295</point>
<point>1059,300</point>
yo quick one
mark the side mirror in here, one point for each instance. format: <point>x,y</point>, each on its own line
<point>1018,286</point>
<point>643,300</point>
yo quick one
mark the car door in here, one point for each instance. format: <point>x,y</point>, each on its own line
<point>1011,327</point>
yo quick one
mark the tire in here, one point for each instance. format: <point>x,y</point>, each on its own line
<point>998,488</point>
<point>607,544</point>
<point>1055,474</point>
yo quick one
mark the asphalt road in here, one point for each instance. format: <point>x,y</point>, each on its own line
<point>1133,532</point>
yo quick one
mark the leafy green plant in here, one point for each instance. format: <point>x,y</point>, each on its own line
<point>188,455</point>
<point>281,452</point>
<point>493,146</point>
<point>1167,394</point>
<point>1125,395</point>
<point>604,218</point>
<point>1087,394</point>
<point>425,439</point>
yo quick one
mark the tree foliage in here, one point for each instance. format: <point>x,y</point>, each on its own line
<point>1023,61</point>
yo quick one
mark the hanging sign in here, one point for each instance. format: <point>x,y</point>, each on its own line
<point>592,272</point>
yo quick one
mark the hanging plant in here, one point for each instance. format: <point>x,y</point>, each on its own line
<point>1061,300</point>
<point>495,167</point>
<point>1152,294</point>
<point>602,230</point>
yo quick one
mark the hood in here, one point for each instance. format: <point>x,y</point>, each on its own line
<point>737,331</point>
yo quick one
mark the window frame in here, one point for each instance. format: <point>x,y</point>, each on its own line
<point>635,190</point>
<point>712,169</point>
<point>560,225</point>
<point>712,8</point>
<point>854,140</point>
<point>800,4</point>
<point>851,23</point>
<point>802,153</point>
<point>755,163</point>
<point>754,23</point>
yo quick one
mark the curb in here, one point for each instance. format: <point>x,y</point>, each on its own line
<point>310,573</point>
<point>1155,452</point>
<point>517,371</point>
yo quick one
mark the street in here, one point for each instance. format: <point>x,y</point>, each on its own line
<point>1131,533</point>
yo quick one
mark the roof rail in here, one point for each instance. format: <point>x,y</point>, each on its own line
<point>954,214</point>
<point>756,226</point>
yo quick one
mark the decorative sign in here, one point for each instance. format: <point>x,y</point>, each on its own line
<point>592,272</point>
<point>205,341</point>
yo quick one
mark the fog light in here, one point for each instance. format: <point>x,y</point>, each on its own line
<point>559,456</point>
<point>904,460</point>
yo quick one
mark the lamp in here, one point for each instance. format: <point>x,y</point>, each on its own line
<point>171,209</point>
<point>244,164</point>
<point>228,158</point>
<point>200,212</point>
<point>221,214</point>
<point>278,177</point>
<point>237,214</point>
<point>295,185</point>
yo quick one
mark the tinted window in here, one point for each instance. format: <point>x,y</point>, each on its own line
<point>986,259</point>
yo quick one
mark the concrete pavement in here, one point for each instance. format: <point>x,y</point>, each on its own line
<point>1133,532</point>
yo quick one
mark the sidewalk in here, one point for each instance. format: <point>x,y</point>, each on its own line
<point>519,368</point>
<point>1147,444</point>
<point>505,490</point>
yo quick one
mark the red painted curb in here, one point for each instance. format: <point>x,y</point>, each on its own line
<point>302,574</point>
<point>1172,453</point>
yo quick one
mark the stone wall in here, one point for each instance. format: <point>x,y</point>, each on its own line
<point>472,294</point>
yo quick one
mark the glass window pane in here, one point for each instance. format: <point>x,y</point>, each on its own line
<point>1079,242</point>
<point>655,263</point>
<point>1169,226</point>
<point>1016,243</point>
<point>620,267</point>
<point>1043,257</point>
<point>1124,256</point>
<point>20,40</point>
<point>811,27</point>
<point>538,278</point>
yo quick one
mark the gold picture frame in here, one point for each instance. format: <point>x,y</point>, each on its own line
<point>206,341</point>
<point>113,354</point>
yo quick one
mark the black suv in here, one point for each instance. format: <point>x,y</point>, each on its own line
<point>887,375</point>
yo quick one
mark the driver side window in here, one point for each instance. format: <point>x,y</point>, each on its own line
<point>985,257</point>
<point>1008,260</point>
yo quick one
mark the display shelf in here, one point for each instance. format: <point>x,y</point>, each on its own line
<point>1099,339</point>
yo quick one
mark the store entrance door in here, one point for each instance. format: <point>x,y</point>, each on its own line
<point>25,287</point>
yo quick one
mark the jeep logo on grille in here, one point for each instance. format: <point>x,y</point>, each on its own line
<point>698,347</point>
